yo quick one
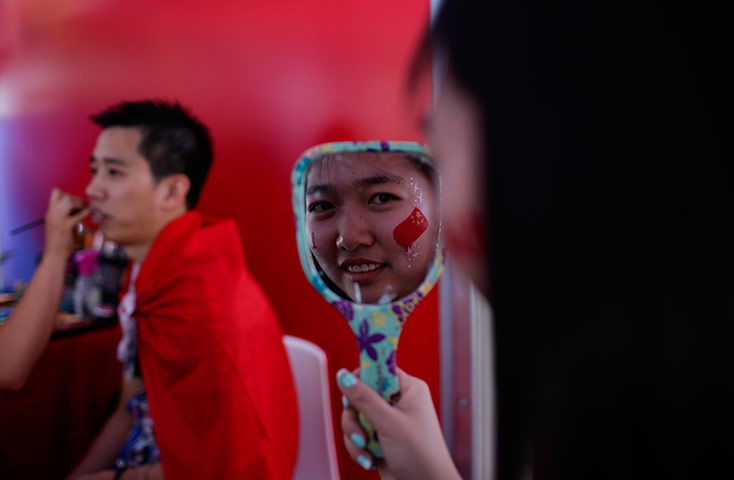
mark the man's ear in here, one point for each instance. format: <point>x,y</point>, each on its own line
<point>173,190</point>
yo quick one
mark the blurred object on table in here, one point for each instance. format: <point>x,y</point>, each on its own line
<point>6,297</point>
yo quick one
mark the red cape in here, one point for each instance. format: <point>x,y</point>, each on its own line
<point>217,376</point>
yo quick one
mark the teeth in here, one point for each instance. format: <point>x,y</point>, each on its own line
<point>367,267</point>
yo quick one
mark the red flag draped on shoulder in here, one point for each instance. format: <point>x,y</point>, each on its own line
<point>217,376</point>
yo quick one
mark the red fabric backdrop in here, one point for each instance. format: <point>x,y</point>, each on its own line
<point>270,78</point>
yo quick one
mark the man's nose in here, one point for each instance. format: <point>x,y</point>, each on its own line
<point>94,189</point>
<point>354,232</point>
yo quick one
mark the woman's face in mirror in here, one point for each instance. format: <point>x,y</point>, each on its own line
<point>372,220</point>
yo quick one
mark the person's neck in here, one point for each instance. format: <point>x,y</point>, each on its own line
<point>139,251</point>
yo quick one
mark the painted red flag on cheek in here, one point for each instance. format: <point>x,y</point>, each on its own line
<point>410,229</point>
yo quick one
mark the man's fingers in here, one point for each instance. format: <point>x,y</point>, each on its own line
<point>77,203</point>
<point>65,207</point>
<point>80,215</point>
<point>59,196</point>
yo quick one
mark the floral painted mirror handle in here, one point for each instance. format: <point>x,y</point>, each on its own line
<point>377,329</point>
<point>376,326</point>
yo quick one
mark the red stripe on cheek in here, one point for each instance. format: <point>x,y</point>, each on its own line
<point>410,229</point>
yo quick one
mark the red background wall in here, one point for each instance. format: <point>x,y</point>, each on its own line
<point>270,78</point>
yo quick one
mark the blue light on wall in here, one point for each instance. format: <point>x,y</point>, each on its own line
<point>3,202</point>
<point>24,248</point>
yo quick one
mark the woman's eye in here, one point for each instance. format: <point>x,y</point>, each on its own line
<point>93,171</point>
<point>320,207</point>
<point>382,198</point>
<point>112,172</point>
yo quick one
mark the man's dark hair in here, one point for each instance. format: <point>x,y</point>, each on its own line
<point>174,141</point>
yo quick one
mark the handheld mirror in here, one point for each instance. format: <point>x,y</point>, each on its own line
<point>368,230</point>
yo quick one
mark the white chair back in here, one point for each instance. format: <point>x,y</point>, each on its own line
<point>316,446</point>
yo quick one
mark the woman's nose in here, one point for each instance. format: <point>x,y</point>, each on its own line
<point>354,232</point>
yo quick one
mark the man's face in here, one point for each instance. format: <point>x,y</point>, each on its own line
<point>123,194</point>
<point>363,227</point>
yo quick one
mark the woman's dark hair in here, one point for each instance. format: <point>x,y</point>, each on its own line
<point>606,129</point>
<point>174,141</point>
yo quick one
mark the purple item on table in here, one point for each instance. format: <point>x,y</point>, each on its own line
<point>87,261</point>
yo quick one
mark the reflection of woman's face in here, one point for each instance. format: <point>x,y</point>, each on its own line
<point>372,221</point>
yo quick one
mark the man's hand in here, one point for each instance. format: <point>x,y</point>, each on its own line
<point>64,212</point>
<point>409,433</point>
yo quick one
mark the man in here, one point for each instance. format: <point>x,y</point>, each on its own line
<point>197,328</point>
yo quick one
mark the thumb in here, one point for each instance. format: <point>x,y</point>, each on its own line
<point>365,400</point>
<point>56,193</point>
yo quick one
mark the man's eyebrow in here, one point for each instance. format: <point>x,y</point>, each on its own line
<point>108,160</point>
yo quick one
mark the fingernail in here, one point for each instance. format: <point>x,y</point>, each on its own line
<point>345,378</point>
<point>358,440</point>
<point>345,402</point>
<point>364,462</point>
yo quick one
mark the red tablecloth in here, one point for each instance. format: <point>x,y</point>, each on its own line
<point>47,426</point>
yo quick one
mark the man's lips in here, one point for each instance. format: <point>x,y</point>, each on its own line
<point>98,216</point>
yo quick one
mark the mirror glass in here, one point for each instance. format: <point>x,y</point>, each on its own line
<point>371,219</point>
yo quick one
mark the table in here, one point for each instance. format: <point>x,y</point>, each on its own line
<point>46,427</point>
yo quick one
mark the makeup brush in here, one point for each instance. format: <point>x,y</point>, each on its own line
<point>27,226</point>
<point>38,222</point>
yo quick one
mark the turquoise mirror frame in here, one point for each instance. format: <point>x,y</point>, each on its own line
<point>377,327</point>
